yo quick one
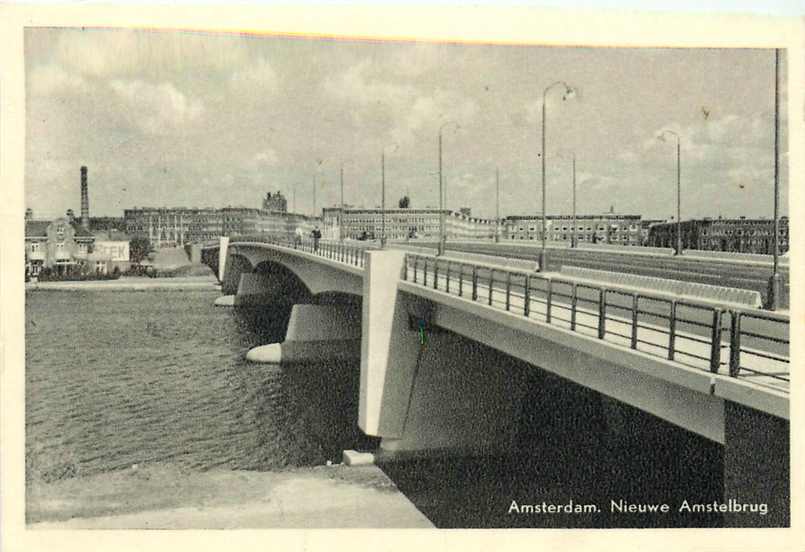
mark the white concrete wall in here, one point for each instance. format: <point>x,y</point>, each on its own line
<point>432,396</point>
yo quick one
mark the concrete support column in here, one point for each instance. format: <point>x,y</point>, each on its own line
<point>757,467</point>
<point>223,247</point>
<point>433,395</point>
<point>259,289</point>
<point>315,333</point>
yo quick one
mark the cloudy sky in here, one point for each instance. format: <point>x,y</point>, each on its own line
<point>203,119</point>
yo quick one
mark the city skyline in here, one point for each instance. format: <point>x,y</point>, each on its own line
<point>204,119</point>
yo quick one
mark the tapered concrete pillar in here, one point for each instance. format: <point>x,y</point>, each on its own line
<point>315,333</point>
<point>757,469</point>
<point>428,391</point>
<point>223,247</point>
<point>260,289</point>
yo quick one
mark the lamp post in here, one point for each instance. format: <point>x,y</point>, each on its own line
<point>568,93</point>
<point>341,212</point>
<point>442,237</point>
<point>383,196</point>
<point>573,234</point>
<point>315,175</point>
<point>661,137</point>
<point>497,205</point>
<point>775,282</point>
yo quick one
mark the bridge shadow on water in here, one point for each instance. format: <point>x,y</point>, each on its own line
<point>566,453</point>
<point>305,414</point>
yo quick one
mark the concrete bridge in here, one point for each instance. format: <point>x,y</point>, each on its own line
<point>715,368</point>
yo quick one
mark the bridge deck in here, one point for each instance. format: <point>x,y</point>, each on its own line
<point>690,334</point>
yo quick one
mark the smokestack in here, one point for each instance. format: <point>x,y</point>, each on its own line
<point>84,199</point>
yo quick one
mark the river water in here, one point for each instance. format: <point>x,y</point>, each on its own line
<point>115,379</point>
<point>121,378</point>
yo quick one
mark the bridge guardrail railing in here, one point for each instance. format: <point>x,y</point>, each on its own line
<point>698,335</point>
<point>336,251</point>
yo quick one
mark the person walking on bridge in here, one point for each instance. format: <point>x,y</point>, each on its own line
<point>316,238</point>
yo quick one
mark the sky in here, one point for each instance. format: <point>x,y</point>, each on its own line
<point>193,119</point>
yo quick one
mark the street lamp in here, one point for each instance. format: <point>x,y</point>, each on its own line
<point>315,175</point>
<point>662,138</point>
<point>442,237</point>
<point>341,211</point>
<point>573,170</point>
<point>775,282</point>
<point>497,205</point>
<point>568,93</point>
<point>383,195</point>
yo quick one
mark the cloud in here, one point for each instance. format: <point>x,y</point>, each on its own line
<point>156,108</point>
<point>266,158</point>
<point>124,52</point>
<point>431,111</point>
<point>355,86</point>
<point>258,77</point>
<point>53,79</point>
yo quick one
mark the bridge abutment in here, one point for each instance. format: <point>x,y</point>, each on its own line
<point>424,392</point>
<point>757,466</point>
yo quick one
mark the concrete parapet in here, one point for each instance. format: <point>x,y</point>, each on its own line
<point>508,263</point>
<point>681,289</point>
<point>626,248</point>
<point>734,256</point>
<point>315,333</point>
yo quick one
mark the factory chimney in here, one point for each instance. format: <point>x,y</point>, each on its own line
<point>84,199</point>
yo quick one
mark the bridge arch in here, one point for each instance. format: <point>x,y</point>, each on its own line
<point>316,276</point>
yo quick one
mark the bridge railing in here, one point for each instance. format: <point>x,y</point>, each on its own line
<point>747,343</point>
<point>336,251</point>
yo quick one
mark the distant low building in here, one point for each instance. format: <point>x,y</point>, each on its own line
<point>59,245</point>
<point>605,228</point>
<point>740,235</point>
<point>403,224</point>
<point>275,203</point>
<point>179,226</point>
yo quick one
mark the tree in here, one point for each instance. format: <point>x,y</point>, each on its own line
<point>139,249</point>
<point>404,202</point>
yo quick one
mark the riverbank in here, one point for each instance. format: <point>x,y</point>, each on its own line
<point>168,497</point>
<point>131,284</point>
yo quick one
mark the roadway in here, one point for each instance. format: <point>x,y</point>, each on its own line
<point>720,272</point>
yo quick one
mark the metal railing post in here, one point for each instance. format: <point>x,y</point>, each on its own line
<point>461,279</point>
<point>508,289</point>
<point>672,332</point>
<point>602,313</point>
<point>436,274</point>
<point>491,281</point>
<point>447,284</point>
<point>474,283</point>
<point>548,301</point>
<point>425,273</point>
<point>715,341</point>
<point>405,268</point>
<point>416,261</point>
<point>635,303</point>
<point>573,303</point>
<point>527,296</point>
<point>735,344</point>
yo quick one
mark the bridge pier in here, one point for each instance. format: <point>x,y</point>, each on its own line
<point>757,466</point>
<point>315,333</point>
<point>432,395</point>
